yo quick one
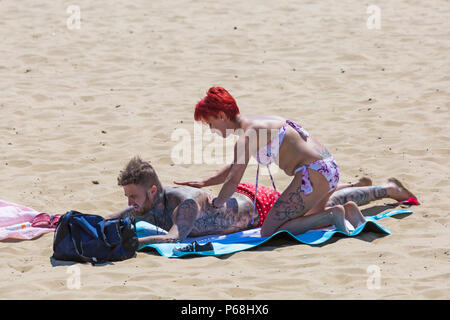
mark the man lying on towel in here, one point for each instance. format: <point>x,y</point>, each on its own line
<point>188,211</point>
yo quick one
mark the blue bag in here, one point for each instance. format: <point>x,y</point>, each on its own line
<point>90,238</point>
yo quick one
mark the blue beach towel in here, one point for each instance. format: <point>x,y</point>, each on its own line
<point>226,244</point>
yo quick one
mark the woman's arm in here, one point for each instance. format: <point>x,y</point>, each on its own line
<point>218,178</point>
<point>236,172</point>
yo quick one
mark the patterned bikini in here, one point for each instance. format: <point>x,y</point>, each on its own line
<point>267,155</point>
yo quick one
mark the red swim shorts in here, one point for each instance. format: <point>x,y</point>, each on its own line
<point>265,198</point>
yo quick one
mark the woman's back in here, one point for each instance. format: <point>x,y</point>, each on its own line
<point>283,142</point>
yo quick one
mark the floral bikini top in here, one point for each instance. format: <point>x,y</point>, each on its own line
<point>268,154</point>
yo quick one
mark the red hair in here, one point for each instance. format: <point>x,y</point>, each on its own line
<point>217,99</point>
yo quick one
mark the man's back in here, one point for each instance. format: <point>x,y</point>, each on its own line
<point>234,216</point>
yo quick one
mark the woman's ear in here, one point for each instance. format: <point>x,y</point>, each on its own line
<point>222,115</point>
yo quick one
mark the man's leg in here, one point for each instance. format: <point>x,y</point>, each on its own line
<point>363,195</point>
<point>362,182</point>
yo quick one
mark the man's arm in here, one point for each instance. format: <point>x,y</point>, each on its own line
<point>120,214</point>
<point>185,215</point>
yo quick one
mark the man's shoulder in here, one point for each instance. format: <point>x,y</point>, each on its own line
<point>182,193</point>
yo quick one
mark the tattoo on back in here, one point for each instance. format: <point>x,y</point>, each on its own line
<point>234,216</point>
<point>185,217</point>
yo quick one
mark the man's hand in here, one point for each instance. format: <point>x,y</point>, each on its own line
<point>195,184</point>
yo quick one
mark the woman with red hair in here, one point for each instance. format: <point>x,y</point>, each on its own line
<point>299,208</point>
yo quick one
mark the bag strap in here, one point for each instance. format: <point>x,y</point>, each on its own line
<point>256,192</point>
<point>271,179</point>
<point>256,188</point>
<point>76,240</point>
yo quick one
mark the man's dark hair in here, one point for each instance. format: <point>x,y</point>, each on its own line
<point>140,173</point>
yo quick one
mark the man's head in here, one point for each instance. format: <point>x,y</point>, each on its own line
<point>140,184</point>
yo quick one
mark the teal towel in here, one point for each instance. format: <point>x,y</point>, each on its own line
<point>226,244</point>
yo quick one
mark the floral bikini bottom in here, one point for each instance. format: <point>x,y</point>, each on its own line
<point>327,167</point>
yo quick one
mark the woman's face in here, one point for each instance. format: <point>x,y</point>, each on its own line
<point>219,125</point>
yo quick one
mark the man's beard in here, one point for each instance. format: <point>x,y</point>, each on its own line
<point>146,207</point>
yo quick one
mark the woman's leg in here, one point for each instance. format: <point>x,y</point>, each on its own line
<point>330,216</point>
<point>293,203</point>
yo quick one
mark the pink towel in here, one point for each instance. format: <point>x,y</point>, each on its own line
<point>12,214</point>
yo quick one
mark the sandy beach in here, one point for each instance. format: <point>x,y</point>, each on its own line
<point>78,101</point>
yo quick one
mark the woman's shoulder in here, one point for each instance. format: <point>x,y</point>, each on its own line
<point>264,122</point>
<point>265,117</point>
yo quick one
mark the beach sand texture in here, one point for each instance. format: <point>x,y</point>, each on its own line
<point>77,104</point>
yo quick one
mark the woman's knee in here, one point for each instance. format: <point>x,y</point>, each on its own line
<point>277,218</point>
<point>265,231</point>
<point>270,227</point>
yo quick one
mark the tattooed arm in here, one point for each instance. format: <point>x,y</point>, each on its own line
<point>128,211</point>
<point>184,215</point>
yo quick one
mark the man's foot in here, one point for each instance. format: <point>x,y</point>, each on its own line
<point>397,191</point>
<point>353,214</point>
<point>338,215</point>
<point>363,182</point>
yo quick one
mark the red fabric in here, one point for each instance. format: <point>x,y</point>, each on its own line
<point>265,198</point>
<point>44,220</point>
<point>412,201</point>
<point>217,99</point>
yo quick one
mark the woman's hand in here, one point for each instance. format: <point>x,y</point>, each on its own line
<point>216,179</point>
<point>195,184</point>
<point>216,204</point>
<point>213,202</point>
